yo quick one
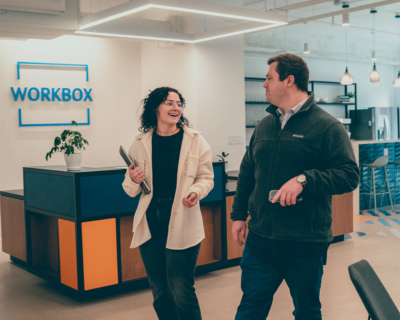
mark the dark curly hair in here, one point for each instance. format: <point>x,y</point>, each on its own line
<point>148,119</point>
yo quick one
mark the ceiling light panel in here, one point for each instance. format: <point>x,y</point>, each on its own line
<point>237,20</point>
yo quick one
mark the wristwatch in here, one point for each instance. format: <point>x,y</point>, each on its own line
<point>302,180</point>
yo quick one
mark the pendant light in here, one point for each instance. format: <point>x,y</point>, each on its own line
<point>306,48</point>
<point>396,82</point>
<point>374,76</point>
<point>345,20</point>
<point>346,78</point>
<point>373,11</point>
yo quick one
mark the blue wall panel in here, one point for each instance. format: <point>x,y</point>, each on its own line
<point>49,192</point>
<point>216,193</point>
<point>102,195</point>
<point>368,154</point>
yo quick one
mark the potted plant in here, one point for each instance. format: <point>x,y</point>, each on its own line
<point>223,158</point>
<point>69,142</point>
<point>352,97</point>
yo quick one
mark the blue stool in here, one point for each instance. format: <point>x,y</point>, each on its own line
<point>397,164</point>
<point>381,162</point>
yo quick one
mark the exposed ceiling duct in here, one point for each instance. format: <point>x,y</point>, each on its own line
<point>36,6</point>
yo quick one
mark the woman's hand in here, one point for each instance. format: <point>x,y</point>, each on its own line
<point>136,174</point>
<point>191,200</point>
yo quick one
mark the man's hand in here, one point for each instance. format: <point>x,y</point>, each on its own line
<point>288,193</point>
<point>239,232</point>
<point>191,200</point>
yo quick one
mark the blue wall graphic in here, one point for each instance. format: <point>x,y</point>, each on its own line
<point>368,154</point>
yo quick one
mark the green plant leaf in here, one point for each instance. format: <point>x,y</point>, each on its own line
<point>57,141</point>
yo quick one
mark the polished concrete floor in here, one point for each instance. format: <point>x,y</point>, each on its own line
<point>376,238</point>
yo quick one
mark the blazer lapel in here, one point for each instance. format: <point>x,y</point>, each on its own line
<point>146,140</point>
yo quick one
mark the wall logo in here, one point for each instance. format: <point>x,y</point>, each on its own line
<point>34,94</point>
<point>51,94</point>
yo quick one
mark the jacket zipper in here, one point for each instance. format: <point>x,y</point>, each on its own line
<point>275,148</point>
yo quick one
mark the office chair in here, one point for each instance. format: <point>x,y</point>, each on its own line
<point>372,292</point>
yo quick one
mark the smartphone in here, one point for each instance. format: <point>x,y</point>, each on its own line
<point>272,194</point>
<point>128,161</point>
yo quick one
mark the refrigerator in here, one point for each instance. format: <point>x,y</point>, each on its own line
<point>377,123</point>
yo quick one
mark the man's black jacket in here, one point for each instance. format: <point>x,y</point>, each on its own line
<point>312,143</point>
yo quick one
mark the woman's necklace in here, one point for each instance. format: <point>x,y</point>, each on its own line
<point>176,130</point>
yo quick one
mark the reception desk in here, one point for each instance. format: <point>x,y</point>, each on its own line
<point>74,228</point>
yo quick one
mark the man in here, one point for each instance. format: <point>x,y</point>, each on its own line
<point>304,153</point>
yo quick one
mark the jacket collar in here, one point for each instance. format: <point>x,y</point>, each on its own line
<point>306,106</point>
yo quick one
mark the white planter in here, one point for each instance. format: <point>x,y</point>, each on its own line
<point>73,161</point>
<point>352,100</point>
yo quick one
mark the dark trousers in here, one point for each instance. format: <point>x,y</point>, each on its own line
<point>170,272</point>
<point>265,263</point>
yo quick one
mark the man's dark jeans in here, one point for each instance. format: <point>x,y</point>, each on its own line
<point>170,272</point>
<point>265,263</point>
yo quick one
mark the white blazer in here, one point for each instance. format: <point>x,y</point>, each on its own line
<point>195,174</point>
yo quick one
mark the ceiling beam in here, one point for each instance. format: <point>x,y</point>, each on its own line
<point>252,2</point>
<point>340,12</point>
<point>301,5</point>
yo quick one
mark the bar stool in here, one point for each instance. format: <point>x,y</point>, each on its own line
<point>381,162</point>
<point>397,164</point>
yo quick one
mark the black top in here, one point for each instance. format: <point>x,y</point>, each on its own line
<point>165,158</point>
<point>312,143</point>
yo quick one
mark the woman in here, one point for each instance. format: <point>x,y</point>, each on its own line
<point>176,163</point>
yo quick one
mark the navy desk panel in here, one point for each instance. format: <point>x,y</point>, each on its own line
<point>103,195</point>
<point>49,192</point>
<point>216,194</point>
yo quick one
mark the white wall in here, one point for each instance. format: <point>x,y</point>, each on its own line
<point>173,67</point>
<point>114,75</point>
<point>121,73</point>
<point>220,95</point>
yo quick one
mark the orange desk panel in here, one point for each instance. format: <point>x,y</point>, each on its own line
<point>67,243</point>
<point>99,249</point>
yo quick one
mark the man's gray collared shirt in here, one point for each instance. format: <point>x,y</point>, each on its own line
<point>284,117</point>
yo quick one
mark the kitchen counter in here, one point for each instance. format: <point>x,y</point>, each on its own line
<point>230,188</point>
<point>233,175</point>
<point>358,142</point>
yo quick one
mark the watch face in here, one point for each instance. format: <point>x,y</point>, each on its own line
<point>301,178</point>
